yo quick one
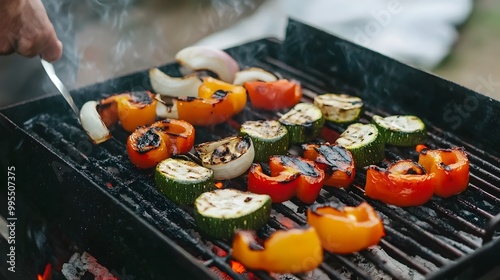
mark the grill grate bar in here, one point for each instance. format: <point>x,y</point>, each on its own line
<point>474,208</point>
<point>415,229</point>
<point>443,225</point>
<point>451,216</point>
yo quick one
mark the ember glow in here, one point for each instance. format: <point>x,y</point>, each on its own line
<point>47,273</point>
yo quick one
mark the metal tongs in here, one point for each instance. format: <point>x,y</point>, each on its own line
<point>49,69</point>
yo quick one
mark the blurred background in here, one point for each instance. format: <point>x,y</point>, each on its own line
<point>455,39</point>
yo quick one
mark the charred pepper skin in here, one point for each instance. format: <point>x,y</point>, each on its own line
<point>148,145</point>
<point>132,109</point>
<point>336,161</point>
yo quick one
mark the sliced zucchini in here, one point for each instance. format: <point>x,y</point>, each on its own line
<point>364,142</point>
<point>220,212</point>
<point>183,181</point>
<point>303,122</point>
<point>339,108</point>
<point>401,130</point>
<point>269,137</point>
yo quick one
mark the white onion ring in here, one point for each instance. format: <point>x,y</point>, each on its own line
<point>172,86</point>
<point>253,74</point>
<point>208,58</point>
<point>92,123</point>
<point>227,169</point>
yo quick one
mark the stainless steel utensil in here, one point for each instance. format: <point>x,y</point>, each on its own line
<point>49,69</point>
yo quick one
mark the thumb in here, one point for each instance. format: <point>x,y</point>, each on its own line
<point>53,51</point>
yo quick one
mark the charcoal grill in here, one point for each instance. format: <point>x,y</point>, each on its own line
<point>90,198</point>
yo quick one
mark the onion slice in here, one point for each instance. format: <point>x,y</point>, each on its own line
<point>172,86</point>
<point>208,58</point>
<point>253,74</point>
<point>228,158</point>
<point>164,111</point>
<point>92,123</point>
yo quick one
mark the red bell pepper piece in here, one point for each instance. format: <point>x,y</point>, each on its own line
<point>280,94</point>
<point>281,186</point>
<point>290,175</point>
<point>404,183</point>
<point>311,179</point>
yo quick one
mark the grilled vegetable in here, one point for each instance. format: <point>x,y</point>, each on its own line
<point>171,86</point>
<point>269,137</point>
<point>208,58</point>
<point>94,123</point>
<point>289,176</point>
<point>339,108</point>
<point>276,95</point>
<point>134,109</point>
<point>401,130</point>
<point>336,161</point>
<point>253,74</point>
<point>148,145</point>
<point>311,179</point>
<point>364,142</point>
<point>290,251</point>
<point>404,183</point>
<point>211,107</point>
<point>183,181</point>
<point>449,167</point>
<point>228,158</point>
<point>345,230</point>
<point>303,122</point>
<point>220,212</point>
<point>280,185</point>
<point>236,95</point>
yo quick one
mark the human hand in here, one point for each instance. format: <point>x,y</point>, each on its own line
<point>27,30</point>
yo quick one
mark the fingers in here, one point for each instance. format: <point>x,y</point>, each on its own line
<point>29,32</point>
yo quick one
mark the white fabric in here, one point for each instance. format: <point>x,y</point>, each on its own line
<point>420,32</point>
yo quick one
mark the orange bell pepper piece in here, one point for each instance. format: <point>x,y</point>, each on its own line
<point>346,230</point>
<point>290,251</point>
<point>236,95</point>
<point>450,167</point>
<point>216,103</point>
<point>134,109</point>
<point>148,145</point>
<point>336,161</point>
<point>404,183</point>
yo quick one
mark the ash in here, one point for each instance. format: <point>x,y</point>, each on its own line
<point>78,265</point>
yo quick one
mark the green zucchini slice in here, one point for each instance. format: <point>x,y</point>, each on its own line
<point>364,142</point>
<point>303,122</point>
<point>183,181</point>
<point>401,130</point>
<point>269,138</point>
<point>339,108</point>
<point>220,212</point>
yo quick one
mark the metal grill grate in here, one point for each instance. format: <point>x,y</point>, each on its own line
<point>419,240</point>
